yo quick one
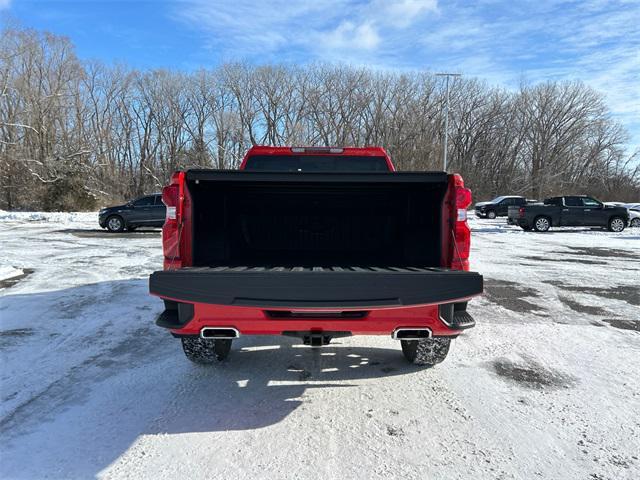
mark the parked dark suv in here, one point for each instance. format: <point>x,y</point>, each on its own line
<point>147,211</point>
<point>499,206</point>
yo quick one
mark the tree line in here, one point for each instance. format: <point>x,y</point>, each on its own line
<point>78,134</point>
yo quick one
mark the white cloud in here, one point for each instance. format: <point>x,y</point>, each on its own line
<point>248,28</point>
<point>402,13</point>
<point>5,4</point>
<point>349,35</point>
<point>497,40</point>
<point>328,29</point>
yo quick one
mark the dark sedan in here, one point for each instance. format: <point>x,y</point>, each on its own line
<point>147,211</point>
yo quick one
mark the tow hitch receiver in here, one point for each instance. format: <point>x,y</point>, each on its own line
<point>316,339</point>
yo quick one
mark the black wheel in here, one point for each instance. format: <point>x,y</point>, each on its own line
<point>115,223</point>
<point>426,351</point>
<point>205,352</point>
<point>526,229</point>
<point>491,214</point>
<point>616,224</point>
<point>541,224</point>
<point>635,222</point>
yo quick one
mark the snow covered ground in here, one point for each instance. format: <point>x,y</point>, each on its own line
<point>546,386</point>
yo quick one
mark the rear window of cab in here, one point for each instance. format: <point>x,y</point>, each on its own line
<point>316,163</point>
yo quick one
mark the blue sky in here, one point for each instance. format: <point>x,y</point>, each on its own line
<point>504,42</point>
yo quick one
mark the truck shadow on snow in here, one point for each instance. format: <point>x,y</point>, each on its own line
<point>121,378</point>
<point>267,378</point>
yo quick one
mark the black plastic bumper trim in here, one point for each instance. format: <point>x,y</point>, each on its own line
<point>455,316</point>
<point>176,314</point>
<point>462,321</point>
<point>288,314</point>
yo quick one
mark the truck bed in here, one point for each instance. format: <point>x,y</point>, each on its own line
<point>297,218</point>
<point>330,287</point>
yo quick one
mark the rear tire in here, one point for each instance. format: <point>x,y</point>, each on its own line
<point>491,214</point>
<point>115,223</point>
<point>427,351</point>
<point>616,224</point>
<point>635,223</point>
<point>541,224</point>
<point>205,352</point>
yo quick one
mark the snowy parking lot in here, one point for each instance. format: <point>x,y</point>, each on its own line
<point>546,386</point>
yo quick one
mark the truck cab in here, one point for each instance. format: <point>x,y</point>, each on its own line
<point>316,243</point>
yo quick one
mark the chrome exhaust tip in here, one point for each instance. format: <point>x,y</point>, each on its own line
<point>219,333</point>
<point>411,333</point>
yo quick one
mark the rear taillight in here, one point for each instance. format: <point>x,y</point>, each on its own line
<point>521,211</point>
<point>172,197</point>
<point>462,232</point>
<point>463,199</point>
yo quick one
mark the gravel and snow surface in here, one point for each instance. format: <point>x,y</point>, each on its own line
<point>546,386</point>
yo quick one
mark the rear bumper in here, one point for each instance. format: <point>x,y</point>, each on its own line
<point>190,319</point>
<point>273,302</point>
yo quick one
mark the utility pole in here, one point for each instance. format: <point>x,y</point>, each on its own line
<point>446,117</point>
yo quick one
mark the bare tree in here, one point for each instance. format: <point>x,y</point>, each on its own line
<point>73,133</point>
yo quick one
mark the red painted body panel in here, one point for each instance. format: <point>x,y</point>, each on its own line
<point>254,321</point>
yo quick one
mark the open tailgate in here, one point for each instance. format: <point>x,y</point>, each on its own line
<point>316,287</point>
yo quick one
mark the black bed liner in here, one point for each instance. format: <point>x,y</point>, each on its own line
<point>316,286</point>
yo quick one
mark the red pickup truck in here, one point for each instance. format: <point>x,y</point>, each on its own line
<point>316,243</point>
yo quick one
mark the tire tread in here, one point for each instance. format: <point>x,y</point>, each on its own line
<point>427,351</point>
<point>205,352</point>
